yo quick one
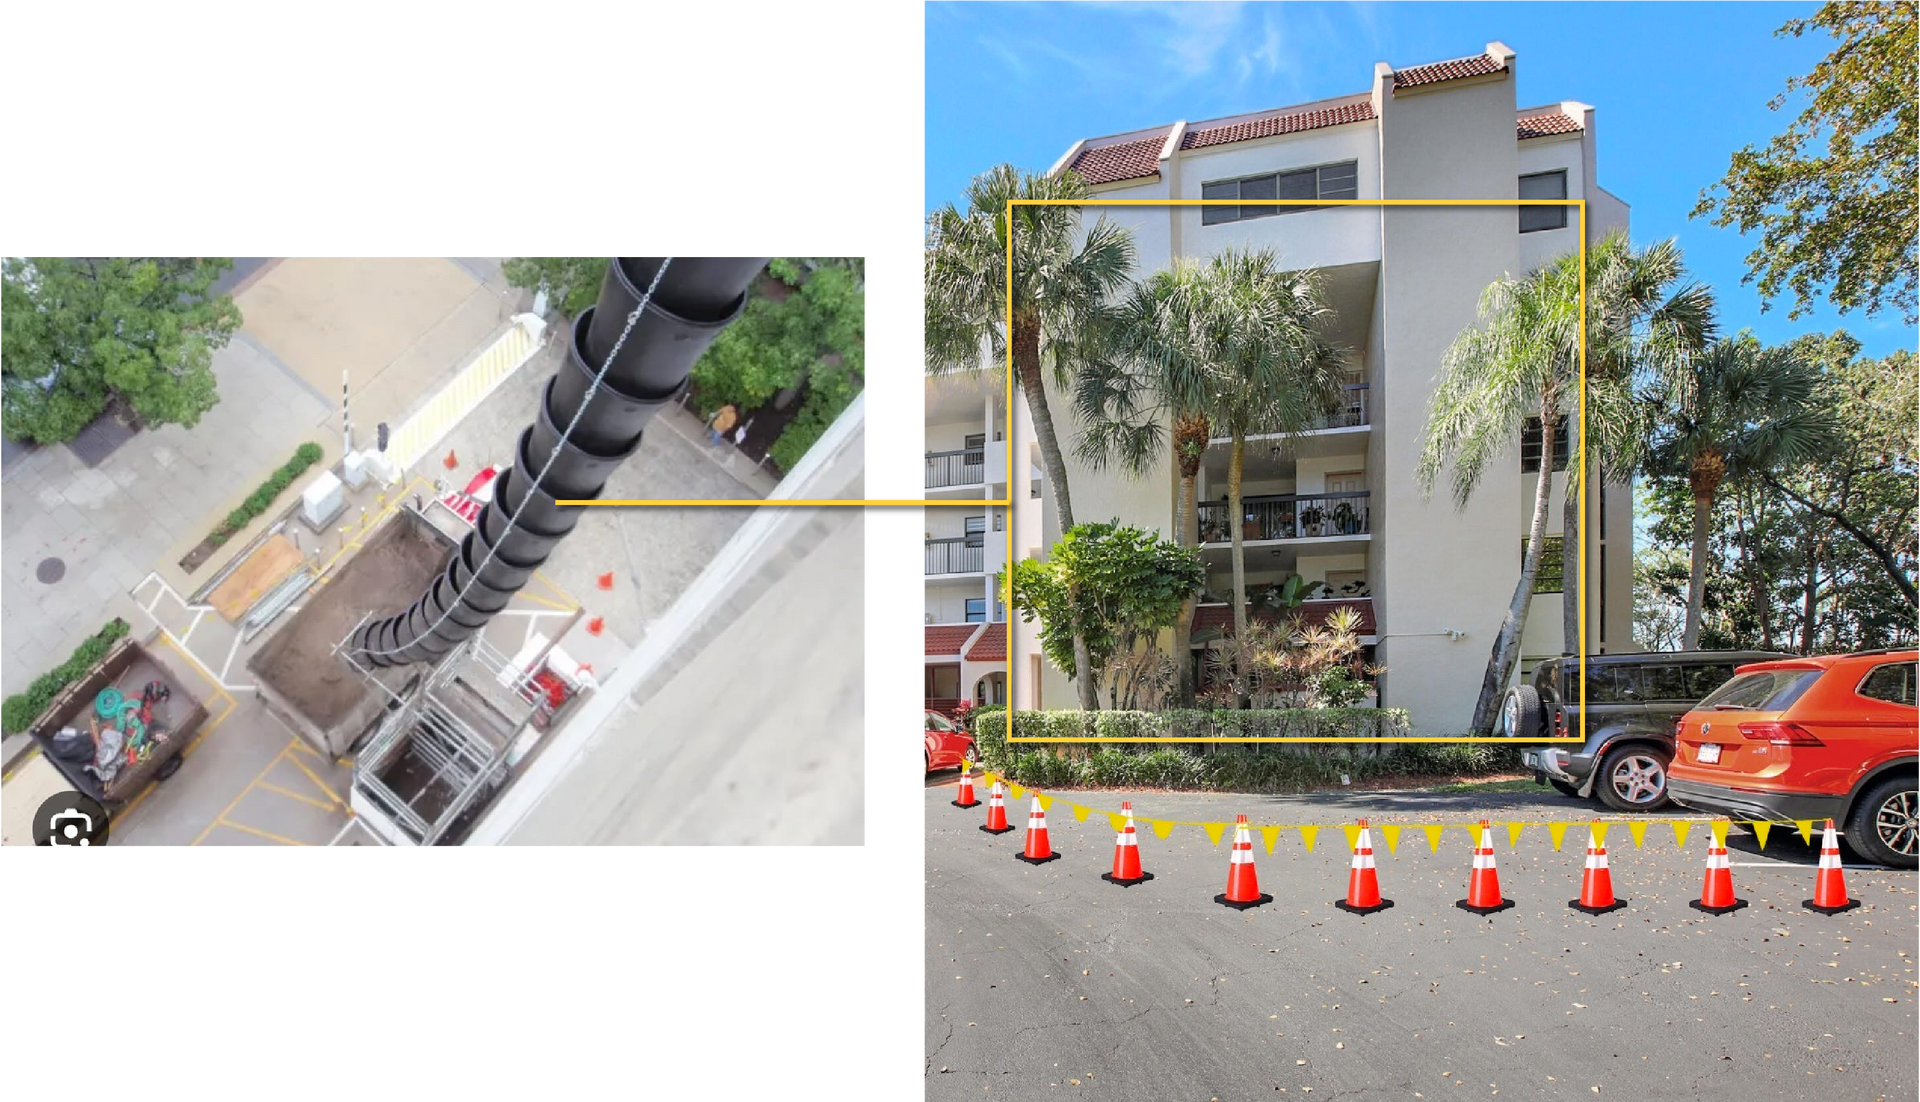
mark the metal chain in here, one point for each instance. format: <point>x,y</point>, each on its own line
<point>593,388</point>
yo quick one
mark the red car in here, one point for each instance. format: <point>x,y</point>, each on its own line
<point>1811,738</point>
<point>947,745</point>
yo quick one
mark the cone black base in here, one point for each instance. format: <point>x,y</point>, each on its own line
<point>1002,830</point>
<point>1238,906</point>
<point>957,803</point>
<point>1496,908</point>
<point>1351,909</point>
<point>1037,860</point>
<point>1728,909</point>
<point>1112,879</point>
<point>1608,909</point>
<point>1847,906</point>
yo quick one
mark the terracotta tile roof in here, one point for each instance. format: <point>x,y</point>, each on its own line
<point>1539,126</point>
<point>1475,66</point>
<point>948,638</point>
<point>1285,122</point>
<point>1220,617</point>
<point>1121,161</point>
<point>992,645</point>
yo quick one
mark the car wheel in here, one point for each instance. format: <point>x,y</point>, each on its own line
<point>1520,713</point>
<point>1564,788</point>
<point>1633,778</point>
<point>929,758</point>
<point>1883,825</point>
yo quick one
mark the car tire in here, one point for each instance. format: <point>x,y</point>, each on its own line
<point>929,758</point>
<point>1564,788</point>
<point>1874,826</point>
<point>1636,768</point>
<point>171,767</point>
<point>1520,713</point>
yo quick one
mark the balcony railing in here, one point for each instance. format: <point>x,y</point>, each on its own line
<point>958,555</point>
<point>1355,409</point>
<point>1289,517</point>
<point>965,467</point>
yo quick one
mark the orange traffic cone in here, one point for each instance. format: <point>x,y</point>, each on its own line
<point>996,811</point>
<point>1483,885</point>
<point>604,581</point>
<point>1596,884</point>
<point>1039,851</point>
<point>596,625</point>
<point>1243,884</point>
<point>966,789</point>
<point>451,461</point>
<point>1829,885</point>
<point>1716,895</point>
<point>1126,854</point>
<point>1363,883</point>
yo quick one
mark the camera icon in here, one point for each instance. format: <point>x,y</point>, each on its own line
<point>71,828</point>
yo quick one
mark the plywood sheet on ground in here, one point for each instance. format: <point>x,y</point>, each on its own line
<point>268,566</point>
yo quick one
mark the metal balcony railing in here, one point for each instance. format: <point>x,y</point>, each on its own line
<point>1353,410</point>
<point>958,555</point>
<point>964,467</point>
<point>1289,517</point>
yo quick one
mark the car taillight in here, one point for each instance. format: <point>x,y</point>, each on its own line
<point>1679,724</point>
<point>1779,734</point>
<point>1559,724</point>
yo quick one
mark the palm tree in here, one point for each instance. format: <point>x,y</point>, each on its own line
<point>1061,286</point>
<point>1522,361</point>
<point>1740,411</point>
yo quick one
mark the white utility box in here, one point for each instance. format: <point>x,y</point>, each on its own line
<point>322,501</point>
<point>353,470</point>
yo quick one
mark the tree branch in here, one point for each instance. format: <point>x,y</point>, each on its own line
<point>1875,547</point>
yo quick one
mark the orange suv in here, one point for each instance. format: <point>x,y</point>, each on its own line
<point>1810,738</point>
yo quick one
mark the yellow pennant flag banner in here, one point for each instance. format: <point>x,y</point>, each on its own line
<point>1719,827</point>
<point>1161,829</point>
<point>1805,827</point>
<point>1558,832</point>
<point>1080,813</point>
<point>1353,835</point>
<point>1600,832</point>
<point>1680,828</point>
<point>1637,828</point>
<point>1760,832</point>
<point>1272,835</point>
<point>1308,834</point>
<point>1513,833</point>
<point>1046,801</point>
<point>1392,835</point>
<point>1118,820</point>
<point>1433,836</point>
<point>1213,831</point>
<point>1016,790</point>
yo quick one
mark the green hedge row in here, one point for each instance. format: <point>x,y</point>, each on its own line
<point>1199,724</point>
<point>306,455</point>
<point>18,711</point>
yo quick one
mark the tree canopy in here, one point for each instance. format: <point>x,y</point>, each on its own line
<point>81,333</point>
<point>572,282</point>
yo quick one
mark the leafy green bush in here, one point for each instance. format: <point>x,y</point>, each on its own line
<point>261,499</point>
<point>18,711</point>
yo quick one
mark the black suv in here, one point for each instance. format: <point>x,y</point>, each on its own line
<point>1633,702</point>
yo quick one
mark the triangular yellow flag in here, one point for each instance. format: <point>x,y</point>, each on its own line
<point>965,766</point>
<point>1600,832</point>
<point>1433,836</point>
<point>1118,820</point>
<point>1558,832</point>
<point>1016,790</point>
<point>1680,828</point>
<point>1272,835</point>
<point>1473,832</point>
<point>1805,826</point>
<point>1080,813</point>
<point>1353,835</point>
<point>1213,831</point>
<point>1307,835</point>
<point>1513,833</point>
<point>1760,831</point>
<point>1637,828</point>
<point>1162,829</point>
<point>1046,801</point>
<point>1719,827</point>
<point>989,777</point>
<point>1392,835</point>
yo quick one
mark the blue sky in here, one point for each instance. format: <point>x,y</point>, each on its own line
<point>1677,88</point>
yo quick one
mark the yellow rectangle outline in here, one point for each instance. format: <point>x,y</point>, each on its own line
<point>1581,550</point>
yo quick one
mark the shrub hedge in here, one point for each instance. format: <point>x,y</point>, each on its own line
<point>306,455</point>
<point>18,711</point>
<point>1240,767</point>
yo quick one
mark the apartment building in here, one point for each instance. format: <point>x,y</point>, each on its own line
<point>1341,506</point>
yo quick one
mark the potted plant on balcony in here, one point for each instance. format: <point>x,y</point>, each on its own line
<point>1251,528</point>
<point>1310,518</point>
<point>1346,518</point>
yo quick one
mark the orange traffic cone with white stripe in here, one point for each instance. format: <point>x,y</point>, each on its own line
<point>1596,884</point>
<point>1363,883</point>
<point>996,811</point>
<point>1829,884</point>
<point>1243,884</point>
<point>1716,895</point>
<point>1483,884</point>
<point>965,799</point>
<point>1039,850</point>
<point>1126,854</point>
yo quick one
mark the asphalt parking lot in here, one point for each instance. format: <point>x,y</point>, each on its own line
<point>1044,980</point>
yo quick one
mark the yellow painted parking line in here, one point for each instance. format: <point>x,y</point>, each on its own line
<point>292,795</point>
<point>258,833</point>
<point>555,605</point>
<point>300,746</point>
<point>240,796</point>
<point>555,586</point>
<point>219,690</point>
<point>315,778</point>
<point>32,753</point>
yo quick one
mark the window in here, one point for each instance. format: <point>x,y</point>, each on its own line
<point>1543,185</point>
<point>976,610</point>
<point>1530,445</point>
<point>1335,181</point>
<point>1663,683</point>
<point>1760,691</point>
<point>976,443</point>
<point>1702,680</point>
<point>1552,575</point>
<point>1892,682</point>
<point>976,531</point>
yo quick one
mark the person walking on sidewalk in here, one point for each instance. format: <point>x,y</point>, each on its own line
<point>721,424</point>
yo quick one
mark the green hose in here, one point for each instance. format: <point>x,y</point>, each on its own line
<point>109,703</point>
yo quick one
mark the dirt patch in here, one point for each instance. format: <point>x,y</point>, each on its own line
<point>299,663</point>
